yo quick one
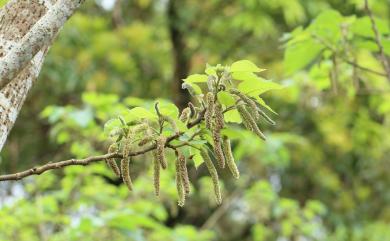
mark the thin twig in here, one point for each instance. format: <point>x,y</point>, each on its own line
<point>378,40</point>
<point>86,161</point>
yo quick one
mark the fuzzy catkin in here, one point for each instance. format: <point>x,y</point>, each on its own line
<point>210,110</point>
<point>229,158</point>
<point>179,185</point>
<point>247,100</point>
<point>184,173</point>
<point>125,170</point>
<point>218,148</point>
<point>185,114</point>
<point>111,161</point>
<point>218,114</point>
<point>213,173</point>
<point>249,122</point>
<point>160,151</point>
<point>156,174</point>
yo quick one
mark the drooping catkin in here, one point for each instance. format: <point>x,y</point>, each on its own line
<point>229,157</point>
<point>184,173</point>
<point>160,151</point>
<point>218,114</point>
<point>125,170</point>
<point>111,161</point>
<point>179,185</point>
<point>217,140</point>
<point>249,122</point>
<point>247,100</point>
<point>156,174</point>
<point>264,115</point>
<point>210,110</point>
<point>211,80</point>
<point>172,123</point>
<point>213,173</point>
<point>185,115</point>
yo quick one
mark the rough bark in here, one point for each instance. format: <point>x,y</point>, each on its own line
<point>27,29</point>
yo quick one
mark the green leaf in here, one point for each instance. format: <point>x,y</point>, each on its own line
<point>225,98</point>
<point>196,78</point>
<point>211,70</point>
<point>232,116</point>
<point>253,88</point>
<point>196,88</point>
<point>244,76</point>
<point>168,109</point>
<point>197,158</point>
<point>244,66</point>
<point>139,113</point>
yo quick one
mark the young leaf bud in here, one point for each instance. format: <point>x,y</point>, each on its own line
<point>125,170</point>
<point>192,109</point>
<point>213,173</point>
<point>189,88</point>
<point>229,158</point>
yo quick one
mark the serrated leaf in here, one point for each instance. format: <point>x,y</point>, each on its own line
<point>255,88</point>
<point>232,116</point>
<point>225,98</point>
<point>244,66</point>
<point>196,78</point>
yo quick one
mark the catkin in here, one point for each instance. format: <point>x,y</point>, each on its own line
<point>250,103</point>
<point>125,162</point>
<point>211,83</point>
<point>213,173</point>
<point>179,185</point>
<point>210,110</point>
<point>156,174</point>
<point>249,122</point>
<point>184,173</point>
<point>266,117</point>
<point>111,161</point>
<point>229,158</point>
<point>185,114</point>
<point>218,148</point>
<point>218,114</point>
<point>160,151</point>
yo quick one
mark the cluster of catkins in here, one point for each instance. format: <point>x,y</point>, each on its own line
<point>212,113</point>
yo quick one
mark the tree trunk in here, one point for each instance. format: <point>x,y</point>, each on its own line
<point>180,55</point>
<point>27,29</point>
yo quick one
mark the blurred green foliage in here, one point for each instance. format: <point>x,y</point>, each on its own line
<point>321,175</point>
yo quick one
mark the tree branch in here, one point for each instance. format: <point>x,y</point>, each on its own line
<point>86,161</point>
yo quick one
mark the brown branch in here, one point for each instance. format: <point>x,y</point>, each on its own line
<point>378,40</point>
<point>86,161</point>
